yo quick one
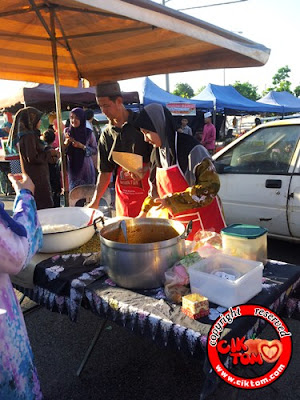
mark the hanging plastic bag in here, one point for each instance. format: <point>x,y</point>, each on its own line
<point>177,278</point>
<point>207,243</point>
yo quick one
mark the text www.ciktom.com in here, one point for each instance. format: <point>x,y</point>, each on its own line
<point>251,383</point>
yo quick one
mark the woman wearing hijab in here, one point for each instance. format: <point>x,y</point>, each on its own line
<point>80,145</point>
<point>20,238</point>
<point>33,156</point>
<point>183,177</point>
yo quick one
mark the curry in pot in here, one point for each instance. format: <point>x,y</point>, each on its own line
<point>142,234</point>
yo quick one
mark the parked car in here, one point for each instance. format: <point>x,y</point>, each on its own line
<point>260,178</point>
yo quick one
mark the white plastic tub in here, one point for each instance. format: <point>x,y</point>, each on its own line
<point>247,281</point>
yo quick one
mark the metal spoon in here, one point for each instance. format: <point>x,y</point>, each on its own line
<point>124,229</point>
<point>188,229</point>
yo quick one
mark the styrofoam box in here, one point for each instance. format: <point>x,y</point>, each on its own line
<point>247,281</point>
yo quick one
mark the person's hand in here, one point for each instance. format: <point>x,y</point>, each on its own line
<point>68,140</point>
<point>135,177</point>
<point>21,181</point>
<point>140,173</point>
<point>161,203</point>
<point>142,214</point>
<point>78,145</point>
<point>93,204</point>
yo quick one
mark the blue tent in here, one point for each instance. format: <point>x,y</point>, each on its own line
<point>228,100</point>
<point>285,100</point>
<point>151,93</point>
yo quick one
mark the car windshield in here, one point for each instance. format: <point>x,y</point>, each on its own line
<point>268,150</point>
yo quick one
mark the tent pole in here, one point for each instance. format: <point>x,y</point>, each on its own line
<point>58,109</point>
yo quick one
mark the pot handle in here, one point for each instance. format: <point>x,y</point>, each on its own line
<point>97,220</point>
<point>188,229</point>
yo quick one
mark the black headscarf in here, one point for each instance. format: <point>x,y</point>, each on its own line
<point>80,134</point>
<point>156,118</point>
<point>190,153</point>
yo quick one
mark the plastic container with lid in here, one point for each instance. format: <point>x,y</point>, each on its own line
<point>245,241</point>
<point>226,280</point>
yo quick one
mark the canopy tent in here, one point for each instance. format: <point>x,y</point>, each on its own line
<point>63,41</point>
<point>42,96</point>
<point>285,100</point>
<point>151,93</point>
<point>117,39</point>
<point>228,100</point>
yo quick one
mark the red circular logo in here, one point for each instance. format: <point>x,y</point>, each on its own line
<point>251,351</point>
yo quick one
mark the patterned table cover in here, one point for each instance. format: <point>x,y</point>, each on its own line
<point>148,313</point>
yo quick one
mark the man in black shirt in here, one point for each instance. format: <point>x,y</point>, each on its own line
<point>120,135</point>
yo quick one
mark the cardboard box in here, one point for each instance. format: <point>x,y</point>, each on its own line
<point>195,305</point>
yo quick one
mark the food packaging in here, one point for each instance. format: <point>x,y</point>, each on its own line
<point>226,280</point>
<point>195,305</point>
<point>129,161</point>
<point>245,241</point>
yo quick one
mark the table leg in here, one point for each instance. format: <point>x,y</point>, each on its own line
<point>211,380</point>
<point>91,346</point>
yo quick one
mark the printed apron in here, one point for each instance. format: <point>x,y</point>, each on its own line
<point>130,193</point>
<point>171,180</point>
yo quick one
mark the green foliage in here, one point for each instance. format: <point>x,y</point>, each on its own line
<point>184,90</point>
<point>297,91</point>
<point>284,86</point>
<point>246,89</point>
<point>280,81</point>
<point>282,74</point>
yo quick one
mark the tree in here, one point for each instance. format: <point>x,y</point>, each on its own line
<point>184,90</point>
<point>281,75</point>
<point>280,81</point>
<point>246,89</point>
<point>297,91</point>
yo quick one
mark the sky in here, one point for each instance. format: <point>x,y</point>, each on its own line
<point>273,23</point>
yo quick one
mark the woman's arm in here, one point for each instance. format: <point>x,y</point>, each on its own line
<point>29,150</point>
<point>152,194</point>
<point>25,213</point>
<point>91,145</point>
<point>14,250</point>
<point>20,242</point>
<point>201,194</point>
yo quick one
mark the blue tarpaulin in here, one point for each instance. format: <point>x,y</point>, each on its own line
<point>228,100</point>
<point>151,93</point>
<point>285,100</point>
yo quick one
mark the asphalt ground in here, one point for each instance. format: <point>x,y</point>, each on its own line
<point>125,366</point>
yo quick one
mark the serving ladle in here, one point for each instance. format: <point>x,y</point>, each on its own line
<point>124,229</point>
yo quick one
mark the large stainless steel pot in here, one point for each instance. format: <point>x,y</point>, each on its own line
<point>154,245</point>
<point>80,217</point>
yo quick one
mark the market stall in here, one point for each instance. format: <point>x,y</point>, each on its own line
<point>65,282</point>
<point>51,43</point>
<point>149,314</point>
<point>285,100</point>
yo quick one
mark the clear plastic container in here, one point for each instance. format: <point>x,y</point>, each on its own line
<point>245,241</point>
<point>208,277</point>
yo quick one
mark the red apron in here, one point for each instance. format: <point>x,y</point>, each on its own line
<point>130,193</point>
<point>171,180</point>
